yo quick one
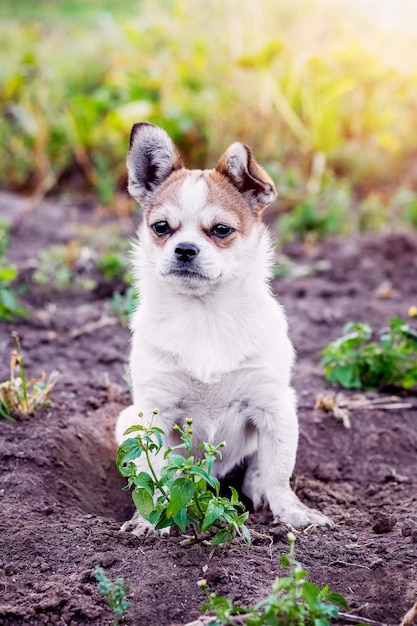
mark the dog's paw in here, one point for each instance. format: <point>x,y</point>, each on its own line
<point>300,516</point>
<point>290,510</point>
<point>142,528</point>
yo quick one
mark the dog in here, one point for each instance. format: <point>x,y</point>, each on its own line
<point>210,342</point>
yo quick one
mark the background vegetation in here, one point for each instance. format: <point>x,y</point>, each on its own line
<point>324,91</point>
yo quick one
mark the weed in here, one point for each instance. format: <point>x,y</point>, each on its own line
<point>9,306</point>
<point>80,262</point>
<point>124,305</point>
<point>186,494</point>
<point>354,361</point>
<point>294,601</point>
<point>63,265</point>
<point>323,213</point>
<point>18,395</point>
<point>112,265</point>
<point>114,593</point>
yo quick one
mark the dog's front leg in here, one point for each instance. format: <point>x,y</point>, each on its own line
<point>270,469</point>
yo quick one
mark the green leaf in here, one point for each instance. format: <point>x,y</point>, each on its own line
<point>337,598</point>
<point>154,516</point>
<point>164,521</point>
<point>321,621</point>
<point>144,480</point>
<point>311,593</point>
<point>214,511</point>
<point>181,492</point>
<point>285,561</point>
<point>181,520</point>
<point>211,480</point>
<point>129,450</point>
<point>176,461</point>
<point>222,536</point>
<point>133,429</point>
<point>245,532</point>
<point>143,502</point>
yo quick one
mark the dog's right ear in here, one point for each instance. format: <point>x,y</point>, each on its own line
<point>152,157</point>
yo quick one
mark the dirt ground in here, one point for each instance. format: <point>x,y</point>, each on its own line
<point>60,495</point>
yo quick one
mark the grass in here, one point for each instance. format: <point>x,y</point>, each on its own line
<point>314,103</point>
<point>20,396</point>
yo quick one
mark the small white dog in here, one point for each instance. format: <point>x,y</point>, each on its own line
<point>209,340</point>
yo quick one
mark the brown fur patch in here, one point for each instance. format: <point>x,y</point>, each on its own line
<point>221,193</point>
<point>239,167</point>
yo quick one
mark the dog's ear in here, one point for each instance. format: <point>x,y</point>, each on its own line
<point>239,166</point>
<point>152,157</point>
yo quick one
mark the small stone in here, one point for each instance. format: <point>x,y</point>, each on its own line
<point>383,523</point>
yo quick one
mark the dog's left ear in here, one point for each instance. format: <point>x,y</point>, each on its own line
<point>239,166</point>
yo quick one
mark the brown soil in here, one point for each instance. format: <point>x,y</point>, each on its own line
<point>60,494</point>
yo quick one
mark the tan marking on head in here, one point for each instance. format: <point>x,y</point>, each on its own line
<point>224,195</point>
<point>223,205</point>
<point>166,198</point>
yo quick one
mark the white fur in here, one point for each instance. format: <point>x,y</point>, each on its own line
<point>216,349</point>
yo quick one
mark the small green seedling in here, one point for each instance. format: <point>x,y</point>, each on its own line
<point>294,601</point>
<point>62,266</point>
<point>114,593</point>
<point>9,306</point>
<point>18,395</point>
<point>186,494</point>
<point>124,305</point>
<point>355,361</point>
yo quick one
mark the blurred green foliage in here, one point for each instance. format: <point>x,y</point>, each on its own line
<point>295,80</point>
<point>93,254</point>
<point>9,305</point>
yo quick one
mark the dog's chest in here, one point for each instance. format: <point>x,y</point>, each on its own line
<point>206,340</point>
<point>217,417</point>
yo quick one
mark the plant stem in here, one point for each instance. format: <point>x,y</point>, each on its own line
<point>154,476</point>
<point>21,372</point>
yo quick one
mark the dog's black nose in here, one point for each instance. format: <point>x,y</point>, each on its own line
<point>186,252</point>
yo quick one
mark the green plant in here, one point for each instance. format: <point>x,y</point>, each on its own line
<point>63,265</point>
<point>354,361</point>
<point>111,265</point>
<point>294,601</point>
<point>318,215</point>
<point>18,395</point>
<point>114,593</point>
<point>9,306</point>
<point>125,304</point>
<point>79,261</point>
<point>186,494</point>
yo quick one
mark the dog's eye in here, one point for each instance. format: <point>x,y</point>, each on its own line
<point>221,231</point>
<point>161,228</point>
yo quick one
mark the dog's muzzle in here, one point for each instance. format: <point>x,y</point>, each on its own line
<point>186,264</point>
<point>186,252</point>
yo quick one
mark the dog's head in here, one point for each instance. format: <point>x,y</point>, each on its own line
<point>201,227</point>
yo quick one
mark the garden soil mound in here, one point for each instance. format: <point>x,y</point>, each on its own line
<point>61,501</point>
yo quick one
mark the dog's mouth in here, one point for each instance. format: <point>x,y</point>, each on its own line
<point>187,273</point>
